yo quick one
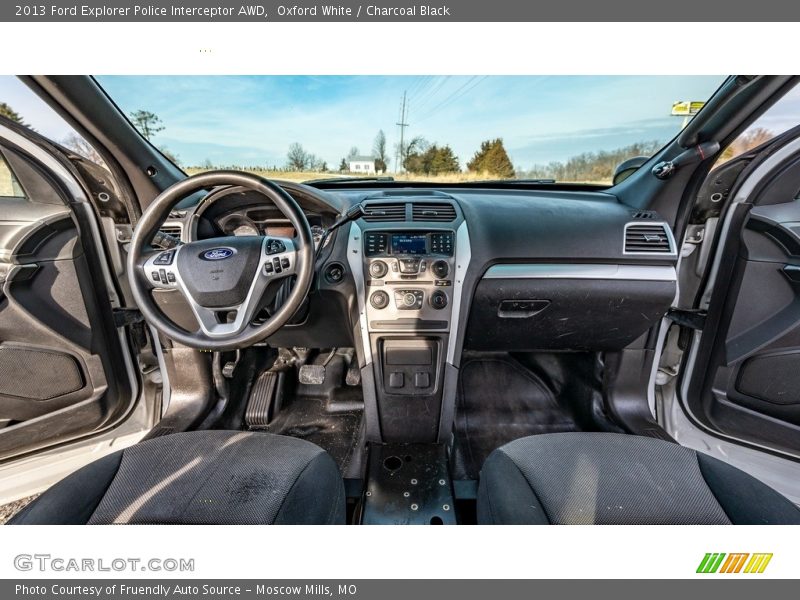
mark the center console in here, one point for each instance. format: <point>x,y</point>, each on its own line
<point>408,277</point>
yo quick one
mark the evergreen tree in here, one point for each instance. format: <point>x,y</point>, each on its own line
<point>9,113</point>
<point>492,159</point>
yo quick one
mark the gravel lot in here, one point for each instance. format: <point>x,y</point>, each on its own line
<point>9,510</point>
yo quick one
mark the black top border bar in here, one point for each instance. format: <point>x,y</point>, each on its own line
<point>439,11</point>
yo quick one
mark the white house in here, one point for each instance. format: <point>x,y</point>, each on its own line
<point>362,164</point>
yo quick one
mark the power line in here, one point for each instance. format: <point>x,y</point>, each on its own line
<point>426,98</point>
<point>460,92</point>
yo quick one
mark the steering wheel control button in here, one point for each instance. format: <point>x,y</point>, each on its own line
<point>162,274</point>
<point>171,277</point>
<point>441,269</point>
<point>285,262</point>
<point>155,276</point>
<point>438,300</point>
<point>275,247</point>
<point>379,300</point>
<point>276,262</point>
<point>268,268</point>
<point>378,269</point>
<point>165,258</point>
<point>334,273</point>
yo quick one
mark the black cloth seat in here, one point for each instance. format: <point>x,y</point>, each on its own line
<point>202,477</point>
<point>609,478</point>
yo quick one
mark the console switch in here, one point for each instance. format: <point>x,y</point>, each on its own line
<point>422,379</point>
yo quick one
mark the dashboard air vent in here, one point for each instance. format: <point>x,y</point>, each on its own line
<point>646,239</point>
<point>438,212</point>
<point>383,213</point>
<point>173,230</point>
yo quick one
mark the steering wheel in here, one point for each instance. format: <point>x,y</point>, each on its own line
<point>222,279</point>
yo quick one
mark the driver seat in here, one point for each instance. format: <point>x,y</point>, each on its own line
<point>199,478</point>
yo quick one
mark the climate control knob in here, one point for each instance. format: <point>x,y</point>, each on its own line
<point>379,299</point>
<point>409,299</point>
<point>440,268</point>
<point>438,300</point>
<point>378,269</point>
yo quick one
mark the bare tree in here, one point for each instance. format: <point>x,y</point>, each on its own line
<point>297,158</point>
<point>80,146</point>
<point>379,151</point>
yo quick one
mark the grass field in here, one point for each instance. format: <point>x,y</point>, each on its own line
<point>307,175</point>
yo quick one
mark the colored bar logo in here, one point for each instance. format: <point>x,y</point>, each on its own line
<point>737,562</point>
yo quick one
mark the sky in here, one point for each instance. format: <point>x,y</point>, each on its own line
<point>252,121</point>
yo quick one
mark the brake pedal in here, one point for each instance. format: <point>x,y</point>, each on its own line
<point>312,374</point>
<point>261,396</point>
<point>315,374</point>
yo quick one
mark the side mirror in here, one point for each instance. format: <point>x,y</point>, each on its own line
<point>627,167</point>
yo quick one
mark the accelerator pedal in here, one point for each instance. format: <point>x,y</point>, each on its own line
<point>353,376</point>
<point>261,398</point>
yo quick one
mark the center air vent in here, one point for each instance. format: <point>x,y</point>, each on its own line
<point>384,212</point>
<point>438,212</point>
<point>646,239</point>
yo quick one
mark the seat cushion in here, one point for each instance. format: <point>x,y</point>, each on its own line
<point>609,478</point>
<point>205,477</point>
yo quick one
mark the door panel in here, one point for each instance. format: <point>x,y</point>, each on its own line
<point>56,371</point>
<point>746,382</point>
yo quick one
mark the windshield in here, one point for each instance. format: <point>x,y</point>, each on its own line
<point>574,129</point>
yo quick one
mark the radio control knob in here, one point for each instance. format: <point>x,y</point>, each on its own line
<point>409,299</point>
<point>379,299</point>
<point>378,269</point>
<point>440,268</point>
<point>438,300</point>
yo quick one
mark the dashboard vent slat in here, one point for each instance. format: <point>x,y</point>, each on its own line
<point>647,239</point>
<point>173,230</point>
<point>436,212</point>
<point>383,213</point>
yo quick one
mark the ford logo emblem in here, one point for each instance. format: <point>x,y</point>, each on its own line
<point>218,253</point>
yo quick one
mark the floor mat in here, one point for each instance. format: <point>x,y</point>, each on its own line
<point>500,401</point>
<point>329,415</point>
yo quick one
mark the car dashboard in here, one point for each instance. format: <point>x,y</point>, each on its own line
<point>424,275</point>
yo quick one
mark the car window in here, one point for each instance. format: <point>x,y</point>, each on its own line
<point>781,117</point>
<point>19,104</point>
<point>432,128</point>
<point>9,184</point>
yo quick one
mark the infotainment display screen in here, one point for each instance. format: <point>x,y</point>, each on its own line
<point>408,243</point>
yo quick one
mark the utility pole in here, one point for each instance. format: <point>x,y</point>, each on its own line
<point>402,124</point>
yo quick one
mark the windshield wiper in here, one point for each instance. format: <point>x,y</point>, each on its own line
<point>523,181</point>
<point>347,179</point>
